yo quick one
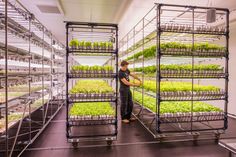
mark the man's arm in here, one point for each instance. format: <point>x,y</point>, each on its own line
<point>129,83</point>
<point>134,76</point>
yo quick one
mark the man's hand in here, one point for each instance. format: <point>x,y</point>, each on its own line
<point>138,83</point>
<point>135,77</point>
<point>141,83</point>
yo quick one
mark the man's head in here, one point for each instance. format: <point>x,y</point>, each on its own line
<point>124,65</point>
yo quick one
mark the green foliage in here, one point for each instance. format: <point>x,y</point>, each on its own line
<point>95,45</point>
<point>152,68</point>
<point>109,45</point>
<point>74,43</point>
<point>91,68</point>
<point>169,86</point>
<point>103,45</point>
<point>151,51</point>
<point>92,109</point>
<point>91,86</point>
<point>88,44</point>
<point>174,106</point>
<point>81,44</point>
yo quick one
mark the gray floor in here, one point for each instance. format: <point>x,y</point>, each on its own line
<point>133,140</point>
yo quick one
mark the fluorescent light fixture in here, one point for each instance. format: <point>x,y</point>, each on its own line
<point>22,64</point>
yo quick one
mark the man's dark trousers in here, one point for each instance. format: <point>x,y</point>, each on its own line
<point>126,103</point>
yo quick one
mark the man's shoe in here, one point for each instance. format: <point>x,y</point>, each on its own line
<point>132,119</point>
<point>126,121</point>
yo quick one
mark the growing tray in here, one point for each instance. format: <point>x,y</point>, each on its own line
<point>189,52</point>
<point>91,120</point>
<point>191,117</point>
<point>178,29</point>
<point>91,74</point>
<point>82,97</point>
<point>88,50</point>
<point>195,73</point>
<point>187,95</point>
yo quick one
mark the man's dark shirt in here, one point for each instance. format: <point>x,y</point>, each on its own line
<point>124,74</point>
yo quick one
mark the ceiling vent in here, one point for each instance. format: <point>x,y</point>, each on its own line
<point>49,9</point>
<point>211,15</point>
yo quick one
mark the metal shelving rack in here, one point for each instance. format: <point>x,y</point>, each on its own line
<point>81,129</point>
<point>185,24</point>
<point>31,61</point>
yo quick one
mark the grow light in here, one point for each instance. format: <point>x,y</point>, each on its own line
<point>22,64</point>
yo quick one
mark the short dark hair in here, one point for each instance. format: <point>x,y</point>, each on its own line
<point>124,62</point>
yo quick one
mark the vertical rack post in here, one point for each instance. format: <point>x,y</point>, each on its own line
<point>158,72</point>
<point>116,51</point>
<point>51,73</point>
<point>133,57</point>
<point>67,80</point>
<point>192,69</point>
<point>29,74</point>
<point>226,72</point>
<point>142,63</point>
<point>6,76</point>
<point>43,77</point>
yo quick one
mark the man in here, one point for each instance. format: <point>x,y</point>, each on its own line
<point>125,93</point>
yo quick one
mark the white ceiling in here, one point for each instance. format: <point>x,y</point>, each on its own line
<point>104,11</point>
<point>124,12</point>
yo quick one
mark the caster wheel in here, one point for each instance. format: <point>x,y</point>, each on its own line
<point>109,143</point>
<point>162,138</point>
<point>195,139</point>
<point>217,137</point>
<point>75,145</point>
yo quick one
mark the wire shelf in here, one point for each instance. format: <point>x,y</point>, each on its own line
<point>195,74</point>
<point>91,120</point>
<point>192,117</point>
<point>91,74</point>
<point>197,53</point>
<point>84,97</point>
<point>92,51</point>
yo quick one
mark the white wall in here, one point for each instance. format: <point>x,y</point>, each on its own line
<point>232,69</point>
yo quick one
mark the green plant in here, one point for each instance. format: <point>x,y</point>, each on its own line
<point>97,68</point>
<point>171,86</point>
<point>102,45</point>
<point>178,67</point>
<point>92,109</point>
<point>91,86</point>
<point>81,44</point>
<point>177,46</point>
<point>109,45</point>
<point>108,68</point>
<point>88,44</point>
<point>95,45</point>
<point>74,43</point>
<point>174,106</point>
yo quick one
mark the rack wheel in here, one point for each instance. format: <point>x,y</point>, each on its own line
<point>195,138</point>
<point>161,138</point>
<point>109,143</point>
<point>217,136</point>
<point>75,145</point>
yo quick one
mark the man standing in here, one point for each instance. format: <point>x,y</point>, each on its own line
<point>125,93</point>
